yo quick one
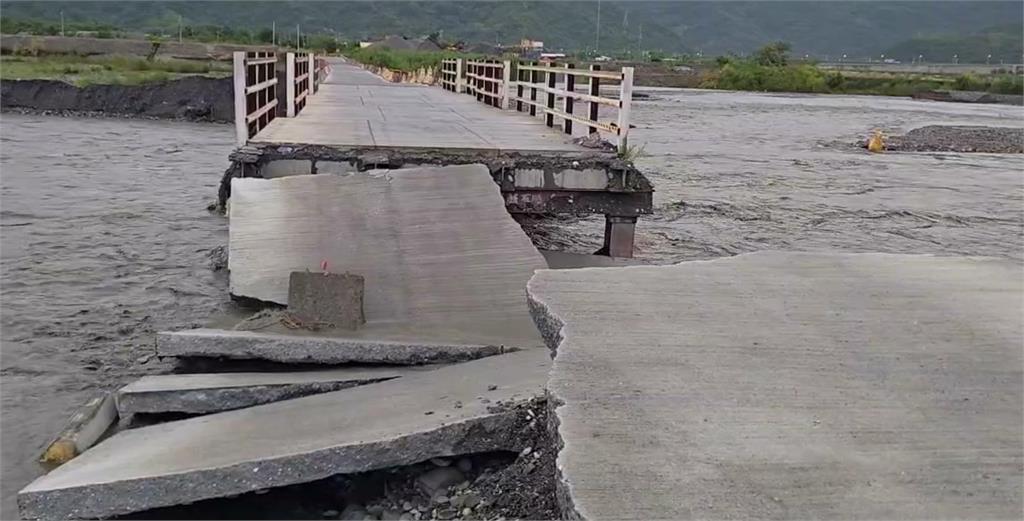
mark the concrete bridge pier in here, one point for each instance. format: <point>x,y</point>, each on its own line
<point>619,232</point>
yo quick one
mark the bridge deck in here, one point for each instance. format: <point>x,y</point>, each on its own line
<point>356,108</point>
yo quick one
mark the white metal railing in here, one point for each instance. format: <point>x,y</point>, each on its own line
<point>255,90</point>
<point>548,90</point>
<point>451,75</point>
<point>538,79</point>
<point>486,79</point>
<point>320,71</point>
<point>297,86</point>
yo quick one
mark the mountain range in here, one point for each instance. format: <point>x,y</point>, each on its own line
<point>821,29</point>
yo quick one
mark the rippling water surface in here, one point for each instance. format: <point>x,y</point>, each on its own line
<point>103,241</point>
<point>105,232</point>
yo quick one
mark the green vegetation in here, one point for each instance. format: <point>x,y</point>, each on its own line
<point>856,28</point>
<point>770,70</point>
<point>106,70</point>
<point>993,45</point>
<point>399,60</point>
<point>195,33</point>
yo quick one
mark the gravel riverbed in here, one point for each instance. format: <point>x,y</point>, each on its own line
<point>959,138</point>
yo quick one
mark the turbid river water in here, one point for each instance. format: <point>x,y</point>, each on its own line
<point>105,233</point>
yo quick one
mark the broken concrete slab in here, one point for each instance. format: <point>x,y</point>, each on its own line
<point>448,411</point>
<point>436,246</point>
<point>359,347</point>
<point>788,386</point>
<point>327,299</point>
<point>206,393</point>
<point>87,425</point>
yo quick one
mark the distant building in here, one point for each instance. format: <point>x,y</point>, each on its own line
<point>547,57</point>
<point>527,44</point>
<point>603,59</point>
<point>363,45</point>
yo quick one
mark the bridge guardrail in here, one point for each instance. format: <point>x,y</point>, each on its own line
<point>298,83</point>
<point>255,89</point>
<point>486,79</point>
<point>320,71</point>
<point>450,76</point>
<point>490,81</point>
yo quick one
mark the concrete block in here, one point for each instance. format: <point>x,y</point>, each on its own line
<point>206,393</point>
<point>327,299</point>
<point>788,386</point>
<point>318,349</point>
<point>437,413</point>
<point>587,179</point>
<point>440,254</point>
<point>286,167</point>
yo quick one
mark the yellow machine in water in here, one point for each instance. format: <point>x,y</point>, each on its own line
<point>875,142</point>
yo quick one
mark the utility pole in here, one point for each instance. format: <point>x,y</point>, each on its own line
<point>273,33</point>
<point>179,28</point>
<point>298,42</point>
<point>597,34</point>
<point>62,23</point>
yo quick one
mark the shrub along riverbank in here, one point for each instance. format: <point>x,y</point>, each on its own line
<point>400,60</point>
<point>770,69</point>
<point>734,74</point>
<point>107,70</point>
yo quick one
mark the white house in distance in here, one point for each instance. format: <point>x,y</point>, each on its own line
<point>527,44</point>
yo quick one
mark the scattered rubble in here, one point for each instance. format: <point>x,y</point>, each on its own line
<point>295,441</point>
<point>478,486</point>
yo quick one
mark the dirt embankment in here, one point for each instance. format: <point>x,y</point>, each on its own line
<point>37,45</point>
<point>192,98</point>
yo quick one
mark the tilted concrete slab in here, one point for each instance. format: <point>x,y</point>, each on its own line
<point>359,347</point>
<point>788,386</point>
<point>445,412</point>
<point>438,250</point>
<point>216,392</point>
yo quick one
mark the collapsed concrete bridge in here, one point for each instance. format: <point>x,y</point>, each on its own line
<point>357,121</point>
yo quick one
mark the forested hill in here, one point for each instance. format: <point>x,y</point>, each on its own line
<point>857,28</point>
<point>993,45</point>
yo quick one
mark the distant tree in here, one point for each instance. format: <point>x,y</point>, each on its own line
<point>265,36</point>
<point>774,54</point>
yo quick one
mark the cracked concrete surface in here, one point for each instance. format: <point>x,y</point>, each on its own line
<point>440,255</point>
<point>788,386</point>
<point>452,410</point>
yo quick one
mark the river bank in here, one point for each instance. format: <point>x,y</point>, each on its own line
<point>191,98</point>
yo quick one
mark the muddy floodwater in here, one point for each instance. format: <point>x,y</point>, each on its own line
<point>105,233</point>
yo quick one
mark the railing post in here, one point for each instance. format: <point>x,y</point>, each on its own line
<point>570,102</point>
<point>533,90</point>
<point>625,100</point>
<point>311,68</point>
<point>241,123</point>
<point>506,83</point>
<point>551,76</point>
<point>289,84</point>
<point>460,76</point>
<point>519,86</point>
<point>594,90</point>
